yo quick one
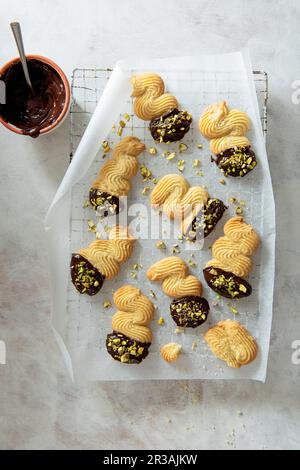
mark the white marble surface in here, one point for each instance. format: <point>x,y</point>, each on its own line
<point>39,407</point>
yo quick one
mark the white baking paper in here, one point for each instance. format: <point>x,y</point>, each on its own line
<point>81,323</point>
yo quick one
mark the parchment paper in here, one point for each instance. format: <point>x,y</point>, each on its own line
<point>80,323</point>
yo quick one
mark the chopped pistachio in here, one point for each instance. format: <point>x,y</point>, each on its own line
<point>181,165</point>
<point>222,181</point>
<point>239,210</point>
<point>120,132</point>
<point>137,266</point>
<point>242,288</point>
<point>234,310</point>
<point>152,151</point>
<point>106,228</point>
<point>192,263</point>
<point>161,321</point>
<point>161,245</point>
<point>126,116</point>
<point>171,156</point>
<point>199,173</point>
<point>146,173</point>
<point>196,163</point>
<point>182,147</point>
<point>200,146</point>
<point>146,189</point>
<point>242,203</point>
<point>133,274</point>
<point>92,226</point>
<point>106,304</point>
<point>152,294</point>
<point>232,200</point>
<point>178,331</point>
<point>105,146</point>
<point>175,249</point>
<point>86,204</point>
<point>154,180</point>
<point>194,345</point>
<point>122,124</point>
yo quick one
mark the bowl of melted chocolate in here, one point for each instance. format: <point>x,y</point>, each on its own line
<point>43,110</point>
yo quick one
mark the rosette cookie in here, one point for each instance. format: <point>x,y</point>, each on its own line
<point>167,122</point>
<point>113,180</point>
<point>188,309</point>
<point>197,211</point>
<point>232,343</point>
<point>232,260</point>
<point>100,260</point>
<point>227,133</point>
<point>131,337</point>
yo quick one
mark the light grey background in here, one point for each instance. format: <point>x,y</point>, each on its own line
<point>39,407</point>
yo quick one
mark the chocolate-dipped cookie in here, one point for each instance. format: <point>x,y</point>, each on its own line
<point>170,127</point>
<point>207,219</point>
<point>226,283</point>
<point>131,337</point>
<point>227,131</point>
<point>237,161</point>
<point>101,260</point>
<point>167,122</point>
<point>113,180</point>
<point>178,200</point>
<point>125,349</point>
<point>190,311</point>
<point>232,261</point>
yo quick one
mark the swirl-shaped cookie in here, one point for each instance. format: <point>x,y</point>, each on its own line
<point>100,260</point>
<point>227,130</point>
<point>131,337</point>
<point>232,259</point>
<point>170,352</point>
<point>232,343</point>
<point>189,309</point>
<point>151,103</point>
<point>113,180</point>
<point>197,212</point>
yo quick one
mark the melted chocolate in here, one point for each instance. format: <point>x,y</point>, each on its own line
<point>237,161</point>
<point>206,220</point>
<point>171,126</point>
<point>226,284</point>
<point>85,277</point>
<point>104,202</point>
<point>125,349</point>
<point>190,311</point>
<point>32,112</point>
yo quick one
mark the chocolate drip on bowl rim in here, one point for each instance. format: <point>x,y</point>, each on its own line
<point>85,277</point>
<point>226,283</point>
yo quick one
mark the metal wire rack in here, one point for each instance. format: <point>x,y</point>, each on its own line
<point>83,316</point>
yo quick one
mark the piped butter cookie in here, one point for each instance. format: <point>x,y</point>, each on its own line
<point>197,212</point>
<point>101,260</point>
<point>232,343</point>
<point>188,309</point>
<point>131,337</point>
<point>151,103</point>
<point>170,352</point>
<point>114,177</point>
<point>232,260</point>
<point>227,130</point>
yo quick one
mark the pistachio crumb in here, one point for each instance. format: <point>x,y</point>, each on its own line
<point>239,210</point>
<point>161,245</point>
<point>145,191</point>
<point>106,304</point>
<point>200,146</point>
<point>161,321</point>
<point>92,226</point>
<point>234,310</point>
<point>232,200</point>
<point>222,181</point>
<point>86,204</point>
<point>196,163</point>
<point>182,147</point>
<point>152,151</point>
<point>181,165</point>
<point>171,156</point>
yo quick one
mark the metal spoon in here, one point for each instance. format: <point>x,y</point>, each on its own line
<point>16,29</point>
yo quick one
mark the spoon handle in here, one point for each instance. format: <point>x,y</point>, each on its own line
<point>16,29</point>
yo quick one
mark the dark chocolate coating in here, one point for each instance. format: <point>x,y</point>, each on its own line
<point>227,284</point>
<point>237,161</point>
<point>190,311</point>
<point>104,202</point>
<point>207,219</point>
<point>28,112</point>
<point>171,126</point>
<point>85,277</point>
<point>125,349</point>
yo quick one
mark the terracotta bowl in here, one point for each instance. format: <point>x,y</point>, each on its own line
<point>64,79</point>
